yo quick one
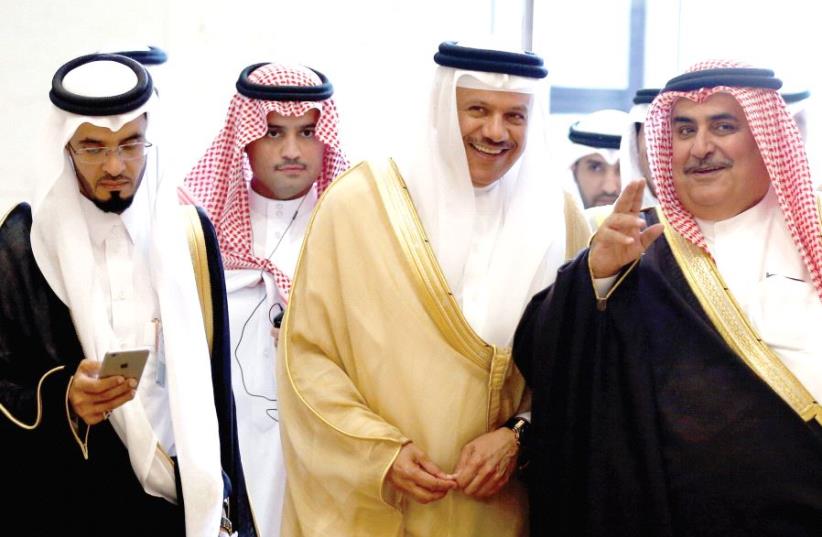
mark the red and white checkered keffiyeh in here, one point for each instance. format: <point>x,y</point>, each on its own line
<point>783,152</point>
<point>220,180</point>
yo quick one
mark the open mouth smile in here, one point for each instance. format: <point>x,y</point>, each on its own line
<point>488,150</point>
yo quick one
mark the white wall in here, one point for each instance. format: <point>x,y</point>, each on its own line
<point>377,53</point>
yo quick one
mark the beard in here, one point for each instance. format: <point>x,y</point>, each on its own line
<point>115,204</point>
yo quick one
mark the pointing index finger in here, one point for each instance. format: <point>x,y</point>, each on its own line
<point>630,199</point>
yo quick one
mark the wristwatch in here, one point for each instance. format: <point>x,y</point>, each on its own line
<point>226,526</point>
<point>520,427</point>
<point>225,522</point>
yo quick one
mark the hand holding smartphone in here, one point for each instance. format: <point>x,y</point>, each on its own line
<point>128,363</point>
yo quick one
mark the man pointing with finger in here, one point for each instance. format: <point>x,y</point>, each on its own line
<point>675,367</point>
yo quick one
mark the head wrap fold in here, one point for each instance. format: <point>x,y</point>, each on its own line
<point>629,167</point>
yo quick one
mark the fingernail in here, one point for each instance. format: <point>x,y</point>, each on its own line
<point>132,383</point>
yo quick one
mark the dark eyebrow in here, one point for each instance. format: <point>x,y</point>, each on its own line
<point>132,138</point>
<point>300,127</point>
<point>475,102</point>
<point>724,117</point>
<point>717,117</point>
<point>90,141</point>
<point>520,108</point>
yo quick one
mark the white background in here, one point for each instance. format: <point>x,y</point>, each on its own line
<point>377,54</point>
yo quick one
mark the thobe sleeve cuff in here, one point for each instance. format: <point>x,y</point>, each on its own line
<point>605,287</point>
<point>525,415</point>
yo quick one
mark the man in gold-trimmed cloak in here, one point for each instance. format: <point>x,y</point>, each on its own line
<point>676,378</point>
<point>395,373</point>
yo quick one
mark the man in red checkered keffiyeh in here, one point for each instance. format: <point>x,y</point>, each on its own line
<point>220,181</point>
<point>259,181</point>
<point>677,392</point>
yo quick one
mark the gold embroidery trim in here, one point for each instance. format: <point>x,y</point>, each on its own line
<point>39,415</point>
<point>440,302</point>
<point>602,301</point>
<point>84,442</point>
<point>199,260</point>
<point>730,321</point>
<point>286,356</point>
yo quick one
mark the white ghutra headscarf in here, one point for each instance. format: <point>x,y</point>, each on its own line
<point>530,245</point>
<point>63,252</point>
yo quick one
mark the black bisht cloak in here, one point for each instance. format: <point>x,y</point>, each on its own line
<point>43,470</point>
<point>645,423</point>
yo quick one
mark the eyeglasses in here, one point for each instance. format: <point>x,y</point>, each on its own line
<point>98,155</point>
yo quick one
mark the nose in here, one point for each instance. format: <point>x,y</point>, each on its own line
<point>114,164</point>
<point>291,148</point>
<point>494,128</point>
<point>703,145</point>
<point>613,182</point>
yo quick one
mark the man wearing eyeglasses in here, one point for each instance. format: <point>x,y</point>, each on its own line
<point>103,261</point>
<point>110,165</point>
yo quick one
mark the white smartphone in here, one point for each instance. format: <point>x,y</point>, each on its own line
<point>128,363</point>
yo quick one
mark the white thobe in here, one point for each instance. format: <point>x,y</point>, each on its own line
<point>120,247</point>
<point>274,229</point>
<point>761,265</point>
<point>487,226</point>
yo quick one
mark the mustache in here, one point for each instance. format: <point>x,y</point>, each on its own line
<point>707,165</point>
<point>492,143</point>
<point>290,163</point>
<point>605,199</point>
<point>108,177</point>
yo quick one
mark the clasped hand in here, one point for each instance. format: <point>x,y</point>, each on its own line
<point>484,467</point>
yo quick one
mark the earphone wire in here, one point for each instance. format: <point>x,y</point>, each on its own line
<point>269,411</point>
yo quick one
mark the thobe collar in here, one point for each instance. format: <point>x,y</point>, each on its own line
<point>101,223</point>
<point>272,209</point>
<point>740,244</point>
<point>488,199</point>
<point>753,220</point>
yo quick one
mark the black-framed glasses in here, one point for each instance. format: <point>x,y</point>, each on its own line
<point>98,155</point>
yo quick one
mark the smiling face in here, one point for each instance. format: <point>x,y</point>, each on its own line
<point>493,126</point>
<point>288,159</point>
<point>718,170</point>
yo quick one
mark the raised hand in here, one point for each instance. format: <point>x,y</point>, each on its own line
<point>620,239</point>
